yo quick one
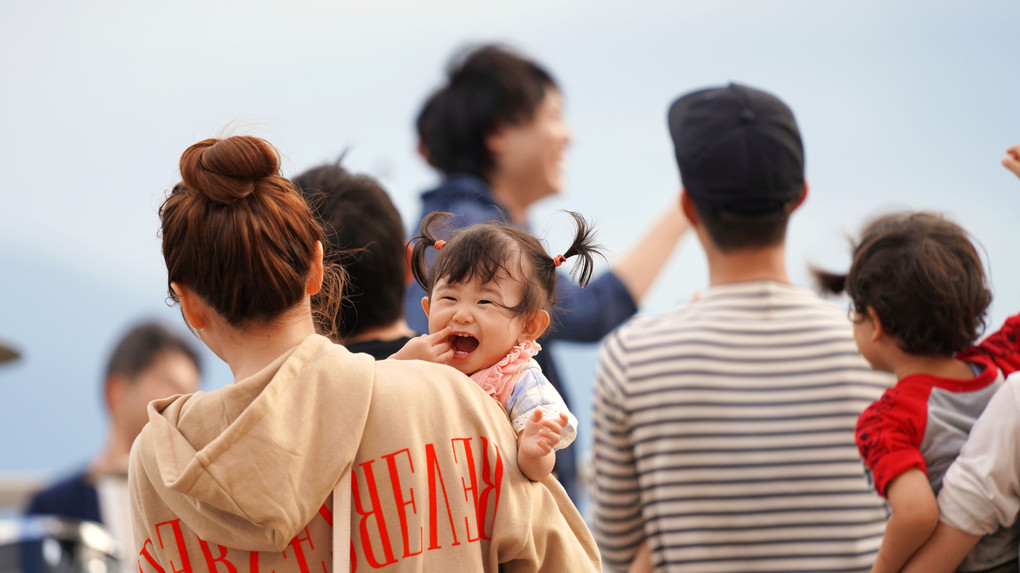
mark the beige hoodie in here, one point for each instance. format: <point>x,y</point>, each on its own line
<point>241,479</point>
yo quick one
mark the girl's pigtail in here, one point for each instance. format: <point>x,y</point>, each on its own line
<point>425,238</point>
<point>828,282</point>
<point>585,248</point>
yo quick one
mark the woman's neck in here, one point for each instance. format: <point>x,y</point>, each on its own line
<point>252,348</point>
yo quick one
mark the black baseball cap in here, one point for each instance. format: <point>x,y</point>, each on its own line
<point>738,149</point>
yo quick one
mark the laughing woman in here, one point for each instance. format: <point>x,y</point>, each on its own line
<point>496,133</point>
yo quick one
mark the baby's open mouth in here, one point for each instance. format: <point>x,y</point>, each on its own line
<point>463,344</point>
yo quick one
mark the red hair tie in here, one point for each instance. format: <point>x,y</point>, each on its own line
<point>439,244</point>
<point>559,260</point>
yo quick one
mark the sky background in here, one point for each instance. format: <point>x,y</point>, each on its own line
<point>901,105</point>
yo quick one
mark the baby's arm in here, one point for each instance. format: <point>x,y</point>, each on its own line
<point>915,514</point>
<point>1012,159</point>
<point>535,453</point>
<point>433,347</point>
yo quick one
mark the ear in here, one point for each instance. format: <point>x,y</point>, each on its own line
<point>425,305</point>
<point>791,207</point>
<point>313,284</point>
<point>496,141</point>
<point>878,330</point>
<point>192,308</point>
<point>535,326</point>
<point>690,211</point>
<point>113,391</point>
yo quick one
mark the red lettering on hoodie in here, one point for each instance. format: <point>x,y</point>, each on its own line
<point>492,478</point>
<point>398,496</point>
<point>436,476</point>
<point>493,485</point>
<point>148,557</point>
<point>299,553</point>
<point>211,561</point>
<point>469,457</point>
<point>326,514</point>
<point>182,549</point>
<point>376,511</point>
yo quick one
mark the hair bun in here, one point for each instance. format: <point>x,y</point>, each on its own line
<point>227,170</point>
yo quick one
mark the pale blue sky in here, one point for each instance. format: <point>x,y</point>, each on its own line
<point>901,104</point>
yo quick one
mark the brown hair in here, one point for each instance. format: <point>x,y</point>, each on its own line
<point>240,235</point>
<point>924,279</point>
<point>485,250</point>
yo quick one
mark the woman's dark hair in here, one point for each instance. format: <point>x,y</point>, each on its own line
<point>486,87</point>
<point>366,239</point>
<point>240,235</point>
<point>924,279</point>
<point>486,250</point>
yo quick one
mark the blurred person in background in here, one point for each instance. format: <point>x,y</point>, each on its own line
<point>149,362</point>
<point>496,133</point>
<point>365,237</point>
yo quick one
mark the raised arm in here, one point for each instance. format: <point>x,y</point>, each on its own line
<point>646,258</point>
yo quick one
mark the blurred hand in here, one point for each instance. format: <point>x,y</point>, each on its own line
<point>1012,159</point>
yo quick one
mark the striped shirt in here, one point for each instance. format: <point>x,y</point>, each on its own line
<point>724,434</point>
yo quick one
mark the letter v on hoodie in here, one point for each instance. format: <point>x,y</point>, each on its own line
<point>241,479</point>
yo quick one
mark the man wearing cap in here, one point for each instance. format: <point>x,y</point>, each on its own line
<point>724,428</point>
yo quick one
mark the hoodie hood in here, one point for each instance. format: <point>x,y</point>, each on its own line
<point>275,425</point>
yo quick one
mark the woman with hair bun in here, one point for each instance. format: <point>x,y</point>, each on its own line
<point>316,458</point>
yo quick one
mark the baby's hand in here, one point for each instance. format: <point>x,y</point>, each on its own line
<point>433,347</point>
<point>540,435</point>
<point>1012,159</point>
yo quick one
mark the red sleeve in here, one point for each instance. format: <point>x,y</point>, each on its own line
<point>889,434</point>
<point>1003,347</point>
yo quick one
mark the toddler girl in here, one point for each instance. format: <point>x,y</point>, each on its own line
<point>490,291</point>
